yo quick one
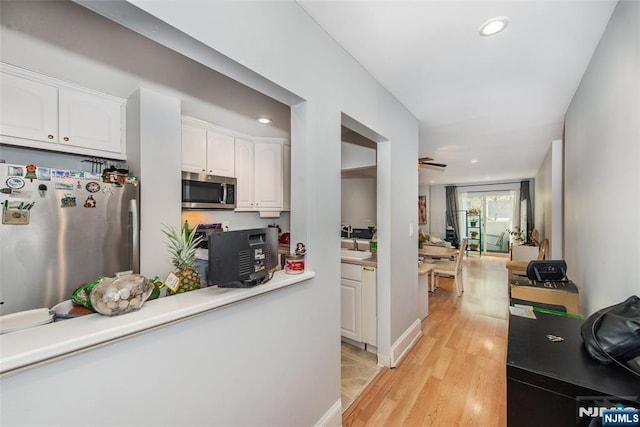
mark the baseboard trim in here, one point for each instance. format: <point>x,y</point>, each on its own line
<point>405,343</point>
<point>333,417</point>
<point>384,360</point>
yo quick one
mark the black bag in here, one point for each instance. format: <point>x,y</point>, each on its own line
<point>612,334</point>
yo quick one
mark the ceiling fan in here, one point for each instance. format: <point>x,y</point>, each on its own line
<point>427,161</point>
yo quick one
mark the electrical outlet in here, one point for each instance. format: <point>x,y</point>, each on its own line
<point>410,229</point>
<point>225,225</point>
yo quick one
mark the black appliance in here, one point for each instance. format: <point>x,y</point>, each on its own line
<point>204,230</point>
<point>242,258</point>
<point>201,191</point>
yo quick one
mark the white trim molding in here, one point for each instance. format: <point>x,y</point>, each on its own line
<point>333,417</point>
<point>401,347</point>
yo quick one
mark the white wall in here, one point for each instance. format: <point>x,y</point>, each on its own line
<point>543,191</point>
<point>602,178</point>
<point>549,193</point>
<point>153,153</point>
<point>355,156</point>
<point>331,83</point>
<point>437,210</point>
<point>285,348</point>
<point>358,207</point>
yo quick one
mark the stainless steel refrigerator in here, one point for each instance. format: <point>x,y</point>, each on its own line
<point>60,229</point>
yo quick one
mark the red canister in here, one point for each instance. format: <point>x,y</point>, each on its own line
<point>294,264</point>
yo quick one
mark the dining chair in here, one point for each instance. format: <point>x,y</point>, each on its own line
<point>450,268</point>
<point>519,268</point>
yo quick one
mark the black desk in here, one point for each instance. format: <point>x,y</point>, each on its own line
<point>546,380</point>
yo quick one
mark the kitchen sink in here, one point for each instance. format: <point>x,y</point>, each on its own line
<point>357,255</point>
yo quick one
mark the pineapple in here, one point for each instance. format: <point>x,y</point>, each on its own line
<point>182,245</point>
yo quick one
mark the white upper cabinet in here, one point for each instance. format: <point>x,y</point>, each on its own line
<point>260,174</point>
<point>207,149</point>
<point>29,109</point>
<point>90,121</point>
<point>221,154</point>
<point>268,175</point>
<point>45,113</point>
<point>244,174</point>
<point>261,165</point>
<point>194,148</point>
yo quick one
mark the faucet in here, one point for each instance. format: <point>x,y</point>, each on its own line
<point>355,244</point>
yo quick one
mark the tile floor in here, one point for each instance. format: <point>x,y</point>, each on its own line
<point>359,367</point>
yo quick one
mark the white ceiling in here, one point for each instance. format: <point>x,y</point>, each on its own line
<point>499,100</point>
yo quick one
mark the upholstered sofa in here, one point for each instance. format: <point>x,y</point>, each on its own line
<point>497,242</point>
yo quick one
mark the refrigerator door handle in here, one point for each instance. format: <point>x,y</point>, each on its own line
<point>134,237</point>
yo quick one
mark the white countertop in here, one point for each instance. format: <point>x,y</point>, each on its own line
<point>22,349</point>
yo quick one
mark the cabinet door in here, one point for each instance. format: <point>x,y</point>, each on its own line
<point>90,121</point>
<point>194,148</point>
<point>351,311</point>
<point>244,173</point>
<point>268,175</point>
<point>369,305</point>
<point>286,177</point>
<point>29,109</point>
<point>221,154</point>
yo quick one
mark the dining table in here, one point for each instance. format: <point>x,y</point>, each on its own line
<point>429,251</point>
<point>435,252</point>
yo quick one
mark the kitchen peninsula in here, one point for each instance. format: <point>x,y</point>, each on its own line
<point>49,343</point>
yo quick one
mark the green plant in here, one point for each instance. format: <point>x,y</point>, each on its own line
<point>516,233</point>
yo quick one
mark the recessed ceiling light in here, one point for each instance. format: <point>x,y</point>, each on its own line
<point>494,26</point>
<point>474,161</point>
<point>264,120</point>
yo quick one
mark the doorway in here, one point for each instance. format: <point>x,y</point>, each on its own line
<point>499,215</point>
<point>358,283</point>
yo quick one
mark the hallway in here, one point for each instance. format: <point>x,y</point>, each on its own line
<point>455,374</point>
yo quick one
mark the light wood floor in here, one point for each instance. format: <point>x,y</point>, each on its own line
<point>456,373</point>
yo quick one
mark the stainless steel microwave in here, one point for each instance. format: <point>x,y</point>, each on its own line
<point>201,191</point>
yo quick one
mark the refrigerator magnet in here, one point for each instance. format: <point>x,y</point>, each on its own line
<point>63,186</point>
<point>42,189</point>
<point>68,201</point>
<point>14,171</point>
<point>15,182</point>
<point>90,202</point>
<point>44,174</point>
<point>92,187</point>
<point>31,172</point>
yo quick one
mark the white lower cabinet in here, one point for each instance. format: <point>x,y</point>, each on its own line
<point>369,303</point>
<point>358,314</point>
<point>351,309</point>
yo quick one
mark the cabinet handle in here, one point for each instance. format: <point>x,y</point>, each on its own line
<point>368,269</point>
<point>66,138</point>
<point>50,136</point>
